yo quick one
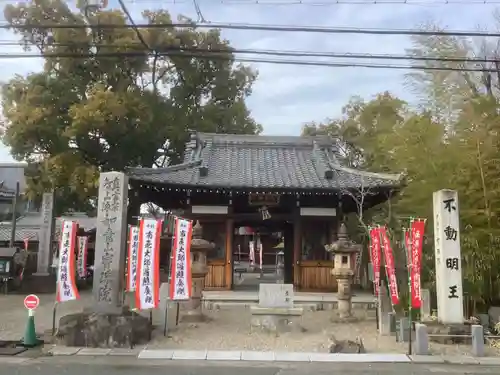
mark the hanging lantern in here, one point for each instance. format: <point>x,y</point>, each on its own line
<point>265,213</point>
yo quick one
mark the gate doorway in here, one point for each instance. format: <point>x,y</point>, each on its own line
<point>262,253</point>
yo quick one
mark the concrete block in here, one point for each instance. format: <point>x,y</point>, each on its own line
<point>64,350</point>
<point>190,354</point>
<point>385,324</point>
<point>477,334</point>
<point>125,352</point>
<point>7,360</point>
<point>321,357</point>
<point>359,358</point>
<point>378,358</point>
<point>291,357</point>
<point>459,360</point>
<point>257,356</point>
<point>156,354</point>
<point>421,346</point>
<point>490,361</point>
<point>223,355</point>
<point>426,359</point>
<point>94,351</point>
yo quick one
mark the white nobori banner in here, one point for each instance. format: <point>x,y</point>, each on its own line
<point>133,253</point>
<point>147,293</point>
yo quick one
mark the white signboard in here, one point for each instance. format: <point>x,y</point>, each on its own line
<point>448,257</point>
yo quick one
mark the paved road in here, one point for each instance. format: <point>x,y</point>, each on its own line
<point>132,366</point>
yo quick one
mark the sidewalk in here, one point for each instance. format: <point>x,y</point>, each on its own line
<point>256,356</point>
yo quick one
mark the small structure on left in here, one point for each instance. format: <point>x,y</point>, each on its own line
<point>108,323</point>
<point>8,265</point>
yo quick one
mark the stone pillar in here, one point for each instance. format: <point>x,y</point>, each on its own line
<point>425,308</point>
<point>344,293</point>
<point>343,250</point>
<point>110,245</point>
<point>384,310</point>
<point>448,257</point>
<point>46,233</point>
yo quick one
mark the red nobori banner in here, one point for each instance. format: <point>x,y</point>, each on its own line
<point>407,245</point>
<point>417,236</point>
<point>375,257</point>
<point>389,266</point>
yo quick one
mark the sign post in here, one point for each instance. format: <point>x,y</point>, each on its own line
<point>31,302</point>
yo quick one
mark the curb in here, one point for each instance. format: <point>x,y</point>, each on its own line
<point>269,356</point>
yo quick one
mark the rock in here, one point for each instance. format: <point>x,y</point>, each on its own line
<point>494,314</point>
<point>99,330</point>
<point>346,346</point>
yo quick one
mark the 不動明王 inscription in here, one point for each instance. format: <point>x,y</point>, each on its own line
<point>448,257</point>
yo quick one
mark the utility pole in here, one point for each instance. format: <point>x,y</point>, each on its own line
<point>14,217</point>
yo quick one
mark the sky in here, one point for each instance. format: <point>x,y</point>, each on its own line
<point>286,97</point>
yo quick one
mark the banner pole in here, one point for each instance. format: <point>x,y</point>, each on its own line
<point>410,289</point>
<point>382,243</point>
<point>165,324</point>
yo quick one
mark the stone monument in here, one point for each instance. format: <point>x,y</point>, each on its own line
<point>45,243</point>
<point>343,250</point>
<point>275,312</point>
<point>448,257</point>
<point>108,323</point>
<point>448,271</point>
<point>110,242</point>
<point>199,248</point>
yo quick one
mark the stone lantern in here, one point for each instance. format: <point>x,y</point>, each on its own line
<point>199,269</point>
<point>343,250</point>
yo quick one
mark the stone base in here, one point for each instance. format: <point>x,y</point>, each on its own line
<point>277,320</point>
<point>194,318</point>
<point>336,318</point>
<point>100,330</point>
<point>449,331</point>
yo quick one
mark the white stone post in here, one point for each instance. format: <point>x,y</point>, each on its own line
<point>110,243</point>
<point>45,235</point>
<point>448,257</point>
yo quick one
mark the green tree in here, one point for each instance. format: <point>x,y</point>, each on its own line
<point>467,104</point>
<point>93,110</point>
<point>385,135</point>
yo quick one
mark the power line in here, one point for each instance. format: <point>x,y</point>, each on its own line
<point>282,53</point>
<point>331,2</point>
<point>134,26</point>
<point>205,56</point>
<point>319,3</point>
<point>259,27</point>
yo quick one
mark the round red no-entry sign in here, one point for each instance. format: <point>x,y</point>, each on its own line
<point>31,302</point>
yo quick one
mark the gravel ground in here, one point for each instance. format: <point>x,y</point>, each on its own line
<point>229,329</point>
<point>13,314</point>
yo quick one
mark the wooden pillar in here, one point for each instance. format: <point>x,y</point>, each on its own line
<point>297,247</point>
<point>228,271</point>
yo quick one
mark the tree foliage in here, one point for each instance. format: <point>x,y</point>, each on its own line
<point>452,140</point>
<point>90,110</point>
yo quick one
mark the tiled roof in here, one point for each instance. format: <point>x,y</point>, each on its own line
<point>274,162</point>
<point>84,221</point>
